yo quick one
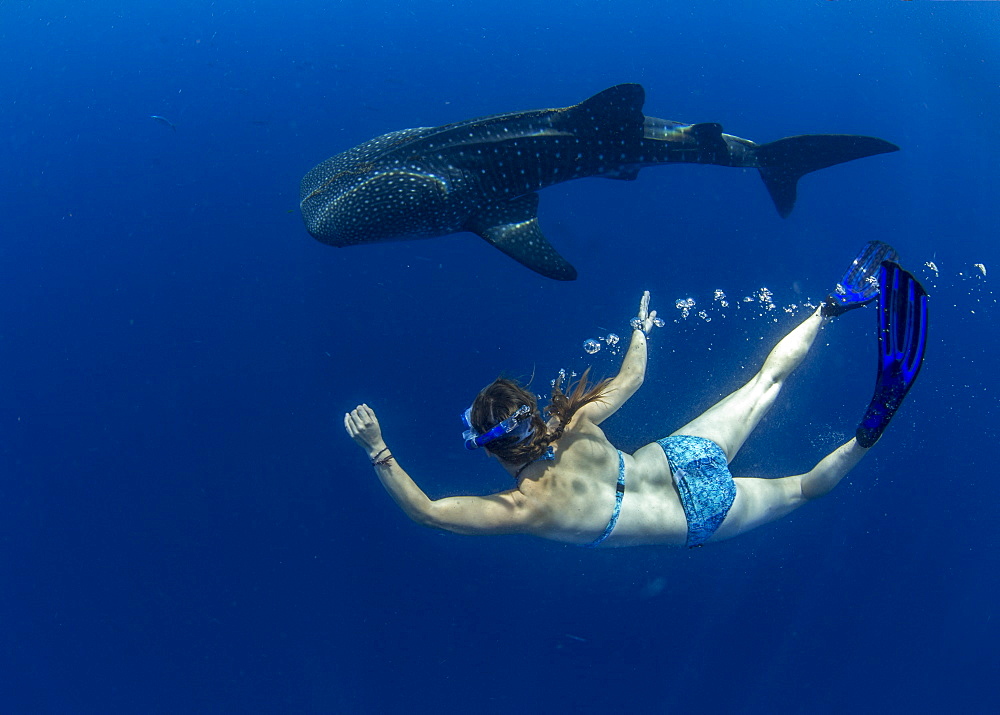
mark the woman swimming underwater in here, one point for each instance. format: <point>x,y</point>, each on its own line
<point>574,486</point>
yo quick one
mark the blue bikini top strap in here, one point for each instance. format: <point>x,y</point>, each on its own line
<point>619,493</point>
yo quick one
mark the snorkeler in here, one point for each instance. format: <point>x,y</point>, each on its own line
<point>572,485</point>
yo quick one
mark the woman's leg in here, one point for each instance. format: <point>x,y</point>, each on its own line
<point>759,501</point>
<point>730,421</point>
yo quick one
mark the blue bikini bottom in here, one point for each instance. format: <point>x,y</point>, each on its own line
<point>704,482</point>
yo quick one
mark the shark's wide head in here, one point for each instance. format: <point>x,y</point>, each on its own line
<point>360,196</point>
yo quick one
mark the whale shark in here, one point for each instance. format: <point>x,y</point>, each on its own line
<point>482,175</point>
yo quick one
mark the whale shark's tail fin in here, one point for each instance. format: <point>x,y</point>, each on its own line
<point>782,163</point>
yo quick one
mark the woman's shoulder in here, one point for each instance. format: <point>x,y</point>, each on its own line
<point>582,423</point>
<point>583,436</point>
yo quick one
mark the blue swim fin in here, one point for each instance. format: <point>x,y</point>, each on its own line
<point>859,286</point>
<point>902,338</point>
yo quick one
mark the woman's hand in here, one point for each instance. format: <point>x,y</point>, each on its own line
<point>645,320</point>
<point>362,425</point>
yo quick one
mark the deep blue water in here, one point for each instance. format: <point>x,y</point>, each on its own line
<point>184,525</point>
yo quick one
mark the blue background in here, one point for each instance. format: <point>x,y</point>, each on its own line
<point>184,525</point>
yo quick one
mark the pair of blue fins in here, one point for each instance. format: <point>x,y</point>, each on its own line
<point>902,328</point>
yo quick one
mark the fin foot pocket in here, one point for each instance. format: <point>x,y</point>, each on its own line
<point>833,307</point>
<point>859,286</point>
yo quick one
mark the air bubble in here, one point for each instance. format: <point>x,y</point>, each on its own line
<point>764,296</point>
<point>591,346</point>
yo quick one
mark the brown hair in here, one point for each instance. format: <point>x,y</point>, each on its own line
<point>498,401</point>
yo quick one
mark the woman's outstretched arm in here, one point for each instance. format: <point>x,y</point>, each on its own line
<point>632,372</point>
<point>503,513</point>
<point>363,427</point>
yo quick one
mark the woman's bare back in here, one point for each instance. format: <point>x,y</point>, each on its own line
<point>574,494</point>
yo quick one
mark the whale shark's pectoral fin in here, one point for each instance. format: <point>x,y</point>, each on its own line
<point>512,226</point>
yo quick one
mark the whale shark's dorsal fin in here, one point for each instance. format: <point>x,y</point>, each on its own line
<point>619,107</point>
<point>709,136</point>
<point>512,226</point>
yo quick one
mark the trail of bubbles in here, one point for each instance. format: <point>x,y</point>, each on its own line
<point>968,281</point>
